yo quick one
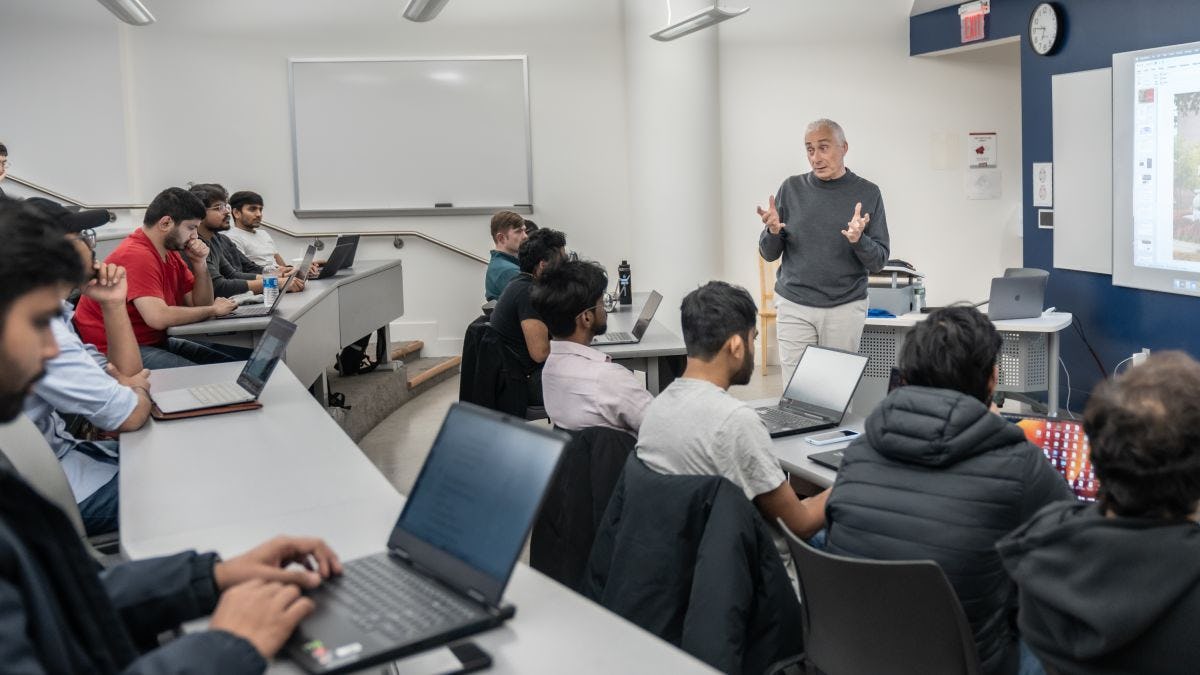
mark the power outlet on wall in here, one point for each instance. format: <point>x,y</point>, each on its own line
<point>1138,357</point>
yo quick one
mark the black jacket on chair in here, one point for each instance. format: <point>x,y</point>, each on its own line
<point>491,375</point>
<point>938,477</point>
<point>470,359</point>
<point>575,502</point>
<point>689,559</point>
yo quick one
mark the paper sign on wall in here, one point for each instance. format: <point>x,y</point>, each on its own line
<point>1043,184</point>
<point>981,147</point>
<point>983,184</point>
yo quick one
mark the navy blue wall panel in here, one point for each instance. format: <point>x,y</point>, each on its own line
<point>1118,321</point>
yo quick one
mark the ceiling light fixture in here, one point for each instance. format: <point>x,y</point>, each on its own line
<point>132,12</point>
<point>698,21</point>
<point>423,10</point>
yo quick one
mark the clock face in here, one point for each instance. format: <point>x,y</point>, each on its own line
<point>1043,28</point>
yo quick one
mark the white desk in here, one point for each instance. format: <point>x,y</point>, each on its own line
<point>1028,356</point>
<point>329,314</point>
<point>793,452</point>
<point>228,482</point>
<point>658,341</point>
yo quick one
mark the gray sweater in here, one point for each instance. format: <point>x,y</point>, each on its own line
<point>821,268</point>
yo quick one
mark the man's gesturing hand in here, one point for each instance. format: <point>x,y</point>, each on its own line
<point>770,216</point>
<point>857,224</point>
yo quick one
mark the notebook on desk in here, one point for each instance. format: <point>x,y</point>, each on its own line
<point>817,394</point>
<point>450,554</point>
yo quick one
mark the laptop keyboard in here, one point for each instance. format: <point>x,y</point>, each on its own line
<point>781,419</point>
<point>387,597</point>
<point>615,337</point>
<point>219,394</point>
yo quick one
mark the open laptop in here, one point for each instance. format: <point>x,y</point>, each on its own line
<point>1016,297</point>
<point>818,393</point>
<point>341,257</point>
<point>1065,446</point>
<point>300,271</point>
<point>639,328</point>
<point>249,383</point>
<point>450,554</point>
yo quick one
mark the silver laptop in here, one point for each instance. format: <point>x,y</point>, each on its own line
<point>639,328</point>
<point>450,554</point>
<point>1016,297</point>
<point>300,271</point>
<point>250,381</point>
<point>818,393</point>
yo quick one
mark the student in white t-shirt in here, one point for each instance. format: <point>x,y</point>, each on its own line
<point>253,241</point>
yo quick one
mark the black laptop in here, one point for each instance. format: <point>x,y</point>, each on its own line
<point>818,393</point>
<point>342,256</point>
<point>450,554</point>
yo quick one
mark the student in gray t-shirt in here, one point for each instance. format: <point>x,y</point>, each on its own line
<point>694,427</point>
<point>829,225</point>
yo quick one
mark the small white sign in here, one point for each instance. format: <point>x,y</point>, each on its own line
<point>1043,184</point>
<point>981,147</point>
<point>983,184</point>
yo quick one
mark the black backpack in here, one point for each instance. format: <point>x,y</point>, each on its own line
<point>353,359</point>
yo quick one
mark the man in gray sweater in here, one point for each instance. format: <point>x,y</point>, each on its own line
<point>830,228</point>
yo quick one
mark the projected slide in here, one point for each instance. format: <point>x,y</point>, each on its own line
<point>1156,134</point>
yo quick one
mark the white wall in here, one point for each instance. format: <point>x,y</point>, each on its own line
<point>786,63</point>
<point>109,113</point>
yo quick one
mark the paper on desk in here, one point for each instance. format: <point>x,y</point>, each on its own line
<point>982,183</point>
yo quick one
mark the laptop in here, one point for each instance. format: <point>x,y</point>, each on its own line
<point>1065,446</point>
<point>300,271</point>
<point>450,554</point>
<point>249,383</point>
<point>818,393</point>
<point>341,256</point>
<point>639,328</point>
<point>1016,297</point>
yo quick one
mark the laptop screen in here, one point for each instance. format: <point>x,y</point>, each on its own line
<point>825,380</point>
<point>305,265</point>
<point>476,497</point>
<point>1066,448</point>
<point>266,355</point>
<point>647,315</point>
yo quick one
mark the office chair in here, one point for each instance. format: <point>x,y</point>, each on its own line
<point>23,445</point>
<point>880,616</point>
<point>767,272</point>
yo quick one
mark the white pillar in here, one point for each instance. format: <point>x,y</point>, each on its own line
<point>674,154</point>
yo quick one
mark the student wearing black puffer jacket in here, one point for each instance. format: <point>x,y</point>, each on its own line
<point>938,476</point>
<point>1114,587</point>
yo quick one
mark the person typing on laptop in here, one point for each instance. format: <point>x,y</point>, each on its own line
<point>582,386</point>
<point>111,393</point>
<point>59,612</point>
<point>1124,566</point>
<point>938,476</point>
<point>164,289</point>
<point>694,427</point>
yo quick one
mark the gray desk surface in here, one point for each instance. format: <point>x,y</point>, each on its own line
<point>228,482</point>
<point>293,305</point>
<point>793,451</point>
<point>1050,322</point>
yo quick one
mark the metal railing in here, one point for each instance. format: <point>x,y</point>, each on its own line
<point>278,228</point>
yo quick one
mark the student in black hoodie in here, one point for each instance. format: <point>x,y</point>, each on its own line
<point>1114,587</point>
<point>938,476</point>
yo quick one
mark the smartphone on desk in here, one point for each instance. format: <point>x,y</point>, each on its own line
<point>464,657</point>
<point>831,437</point>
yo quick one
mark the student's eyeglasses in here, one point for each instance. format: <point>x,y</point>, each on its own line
<point>604,303</point>
<point>88,237</point>
<point>218,207</point>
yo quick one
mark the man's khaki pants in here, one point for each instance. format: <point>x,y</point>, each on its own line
<point>798,326</point>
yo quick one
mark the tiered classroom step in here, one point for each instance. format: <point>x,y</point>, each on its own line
<point>373,396</point>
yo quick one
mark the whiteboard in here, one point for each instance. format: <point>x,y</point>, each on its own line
<point>1082,127</point>
<point>406,136</point>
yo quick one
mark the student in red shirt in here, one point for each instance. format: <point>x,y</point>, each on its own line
<point>168,283</point>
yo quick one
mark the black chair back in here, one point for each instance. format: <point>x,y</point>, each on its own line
<point>876,616</point>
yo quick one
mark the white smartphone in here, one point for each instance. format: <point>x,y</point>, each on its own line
<point>830,437</point>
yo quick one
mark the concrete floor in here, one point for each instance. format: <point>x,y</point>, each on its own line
<point>399,444</point>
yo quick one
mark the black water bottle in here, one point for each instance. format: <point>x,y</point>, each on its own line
<point>624,283</point>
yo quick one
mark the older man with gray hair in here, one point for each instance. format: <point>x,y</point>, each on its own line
<point>830,228</point>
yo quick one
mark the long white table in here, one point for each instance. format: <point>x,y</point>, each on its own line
<point>228,482</point>
<point>658,341</point>
<point>1028,356</point>
<point>329,314</point>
